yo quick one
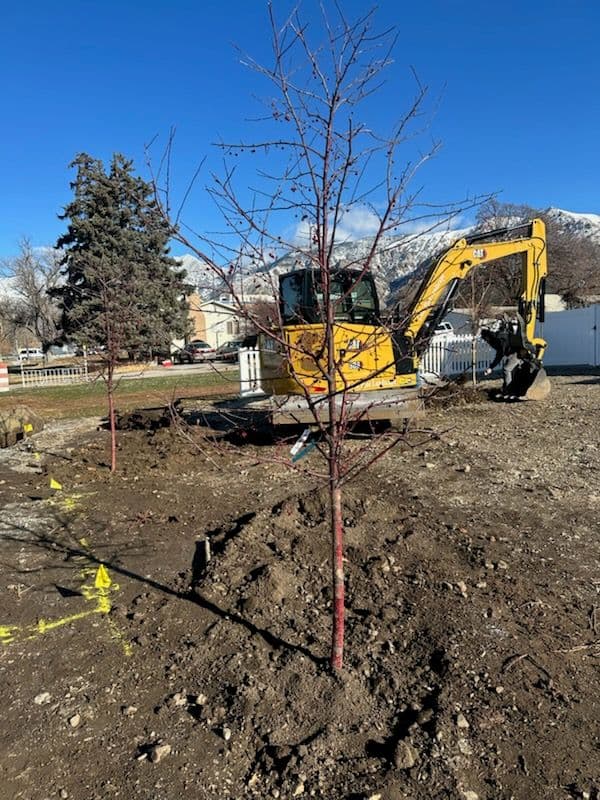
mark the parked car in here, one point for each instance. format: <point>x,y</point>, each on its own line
<point>30,354</point>
<point>443,328</point>
<point>229,350</point>
<point>194,352</point>
<point>250,341</point>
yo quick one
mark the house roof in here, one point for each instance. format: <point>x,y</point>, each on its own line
<point>217,304</point>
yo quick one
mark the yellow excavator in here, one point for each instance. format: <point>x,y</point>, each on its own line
<point>376,363</point>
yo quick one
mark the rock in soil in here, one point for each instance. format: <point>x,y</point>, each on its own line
<point>158,751</point>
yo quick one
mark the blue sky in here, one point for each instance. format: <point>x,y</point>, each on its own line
<point>517,84</point>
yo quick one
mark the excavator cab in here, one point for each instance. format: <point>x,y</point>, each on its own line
<point>353,296</point>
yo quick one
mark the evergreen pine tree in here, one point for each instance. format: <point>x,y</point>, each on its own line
<point>121,291</point>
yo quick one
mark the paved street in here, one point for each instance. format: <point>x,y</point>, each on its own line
<point>158,371</point>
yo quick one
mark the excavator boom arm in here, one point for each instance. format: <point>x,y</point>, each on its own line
<point>457,262</point>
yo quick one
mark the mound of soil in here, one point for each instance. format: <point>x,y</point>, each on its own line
<point>472,629</point>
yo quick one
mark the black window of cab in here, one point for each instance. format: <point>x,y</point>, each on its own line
<point>353,295</point>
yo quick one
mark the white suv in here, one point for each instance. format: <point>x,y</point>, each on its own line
<point>443,328</point>
<point>26,353</point>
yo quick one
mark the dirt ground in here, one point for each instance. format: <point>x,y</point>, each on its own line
<point>473,614</point>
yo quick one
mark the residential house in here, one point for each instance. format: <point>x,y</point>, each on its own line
<point>215,321</point>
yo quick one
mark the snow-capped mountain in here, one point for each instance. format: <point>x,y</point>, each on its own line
<point>397,258</point>
<point>395,261</point>
<point>584,225</point>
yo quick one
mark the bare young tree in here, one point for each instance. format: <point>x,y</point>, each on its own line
<point>319,166</point>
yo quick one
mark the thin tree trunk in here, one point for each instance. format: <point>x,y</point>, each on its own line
<point>111,416</point>
<point>337,558</point>
<point>473,314</point>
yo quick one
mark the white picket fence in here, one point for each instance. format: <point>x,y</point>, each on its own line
<point>250,385</point>
<point>54,376</point>
<point>455,354</point>
<point>448,355</point>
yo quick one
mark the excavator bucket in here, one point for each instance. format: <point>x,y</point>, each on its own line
<point>529,382</point>
<point>540,386</point>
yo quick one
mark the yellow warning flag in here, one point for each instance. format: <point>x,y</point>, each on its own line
<point>28,427</point>
<point>102,580</point>
<point>55,484</point>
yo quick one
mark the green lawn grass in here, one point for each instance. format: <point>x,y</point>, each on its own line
<point>89,400</point>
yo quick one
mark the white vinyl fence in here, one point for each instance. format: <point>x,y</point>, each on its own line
<point>448,355</point>
<point>54,376</point>
<point>455,354</point>
<point>573,337</point>
<point>250,385</point>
